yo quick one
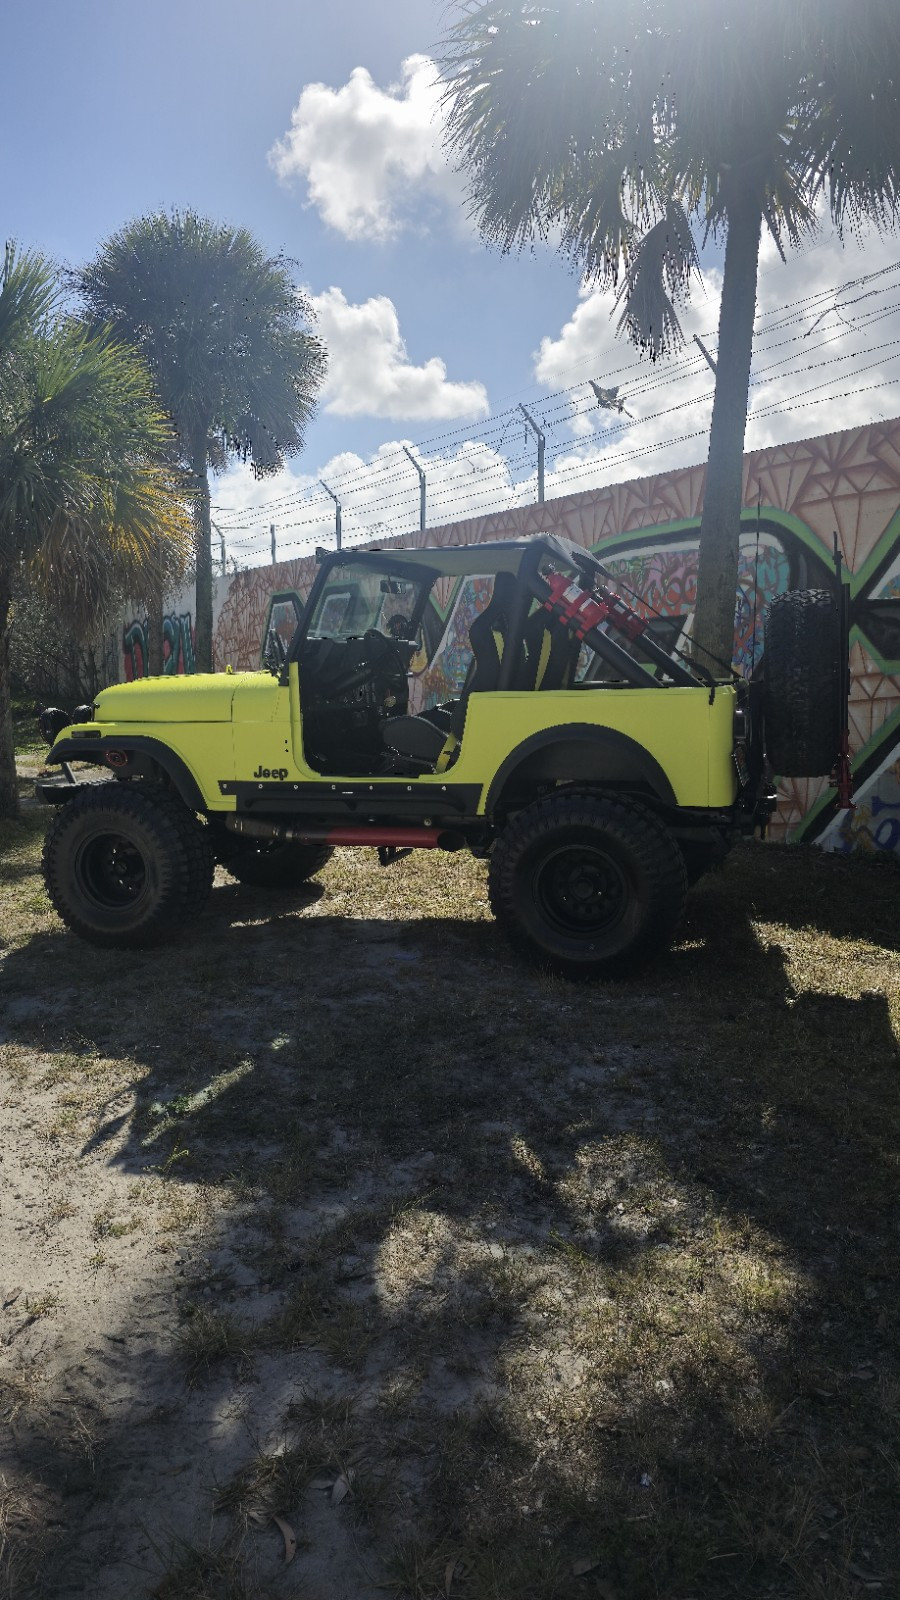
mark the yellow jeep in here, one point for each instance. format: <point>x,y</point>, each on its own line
<point>594,769</point>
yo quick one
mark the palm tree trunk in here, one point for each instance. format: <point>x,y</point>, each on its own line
<point>9,788</point>
<point>720,524</point>
<point>203,603</point>
<point>155,637</point>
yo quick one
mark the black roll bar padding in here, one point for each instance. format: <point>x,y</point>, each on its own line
<point>634,672</point>
<point>518,612</point>
<point>678,673</point>
<point>619,658</point>
<point>631,670</point>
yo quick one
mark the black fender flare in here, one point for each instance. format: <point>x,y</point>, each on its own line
<point>94,748</point>
<point>582,752</point>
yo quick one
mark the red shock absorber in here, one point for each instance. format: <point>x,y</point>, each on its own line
<point>581,610</point>
<point>576,607</point>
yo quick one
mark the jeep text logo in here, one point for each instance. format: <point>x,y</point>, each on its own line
<point>271,772</point>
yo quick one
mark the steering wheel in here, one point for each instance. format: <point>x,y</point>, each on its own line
<point>387,653</point>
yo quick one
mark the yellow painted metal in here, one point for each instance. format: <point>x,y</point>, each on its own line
<point>691,739</point>
<point>246,727</point>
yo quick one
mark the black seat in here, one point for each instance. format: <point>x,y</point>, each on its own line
<point>488,636</point>
<point>428,742</point>
<point>551,653</point>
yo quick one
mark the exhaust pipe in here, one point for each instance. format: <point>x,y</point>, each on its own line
<point>376,835</point>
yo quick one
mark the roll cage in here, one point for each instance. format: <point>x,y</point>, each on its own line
<point>575,589</point>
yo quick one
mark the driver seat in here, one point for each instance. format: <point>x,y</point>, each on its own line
<point>431,743</point>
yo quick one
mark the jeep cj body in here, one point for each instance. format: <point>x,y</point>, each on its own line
<point>597,772</point>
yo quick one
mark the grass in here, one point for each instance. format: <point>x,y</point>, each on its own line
<point>30,747</point>
<point>598,1285</point>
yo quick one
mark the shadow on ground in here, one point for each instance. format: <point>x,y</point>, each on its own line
<point>564,1282</point>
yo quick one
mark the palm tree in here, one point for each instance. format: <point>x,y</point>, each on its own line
<point>85,503</point>
<point>625,124</point>
<point>223,330</point>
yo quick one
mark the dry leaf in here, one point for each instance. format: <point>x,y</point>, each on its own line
<point>453,1569</point>
<point>341,1489</point>
<point>289,1537</point>
<point>586,1564</point>
<point>322,1483</point>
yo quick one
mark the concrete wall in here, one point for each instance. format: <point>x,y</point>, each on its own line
<point>796,497</point>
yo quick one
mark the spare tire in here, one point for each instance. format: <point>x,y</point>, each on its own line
<point>802,684</point>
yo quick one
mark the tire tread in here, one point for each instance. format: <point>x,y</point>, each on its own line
<point>186,861</point>
<point>635,828</point>
<point>802,683</point>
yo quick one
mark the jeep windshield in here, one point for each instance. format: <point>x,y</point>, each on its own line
<point>359,597</point>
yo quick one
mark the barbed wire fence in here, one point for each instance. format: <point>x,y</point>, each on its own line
<point>472,470</point>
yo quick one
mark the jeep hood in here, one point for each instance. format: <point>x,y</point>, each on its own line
<point>201,697</point>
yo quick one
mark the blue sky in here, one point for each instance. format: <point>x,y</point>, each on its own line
<point>318,127</point>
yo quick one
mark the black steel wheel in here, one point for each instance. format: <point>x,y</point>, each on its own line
<point>127,865</point>
<point>278,866</point>
<point>802,683</point>
<point>587,884</point>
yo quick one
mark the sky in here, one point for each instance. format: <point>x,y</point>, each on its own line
<point>318,126</point>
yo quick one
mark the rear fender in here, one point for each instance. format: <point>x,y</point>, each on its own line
<point>583,754</point>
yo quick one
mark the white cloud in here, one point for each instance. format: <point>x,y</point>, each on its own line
<point>370,373</point>
<point>829,367</point>
<point>662,400</point>
<point>379,497</point>
<point>806,380</point>
<point>669,402</point>
<point>369,155</point>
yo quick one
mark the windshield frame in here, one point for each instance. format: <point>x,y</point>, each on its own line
<point>378,562</point>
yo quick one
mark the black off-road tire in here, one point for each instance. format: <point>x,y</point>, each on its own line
<point>127,866</point>
<point>278,866</point>
<point>588,885</point>
<point>801,698</point>
<point>699,859</point>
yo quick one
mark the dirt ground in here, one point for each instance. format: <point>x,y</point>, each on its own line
<point>334,1233</point>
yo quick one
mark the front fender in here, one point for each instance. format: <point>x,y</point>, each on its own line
<point>95,748</point>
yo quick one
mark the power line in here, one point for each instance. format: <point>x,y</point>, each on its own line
<point>617,458</point>
<point>379,473</point>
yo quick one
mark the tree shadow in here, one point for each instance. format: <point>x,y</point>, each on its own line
<point>428,1146</point>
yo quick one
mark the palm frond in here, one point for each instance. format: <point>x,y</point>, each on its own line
<point>590,119</point>
<point>85,501</point>
<point>224,331</point>
<point>657,279</point>
<point>29,295</point>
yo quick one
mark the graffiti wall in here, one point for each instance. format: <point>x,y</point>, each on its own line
<point>178,645</point>
<point>796,498</point>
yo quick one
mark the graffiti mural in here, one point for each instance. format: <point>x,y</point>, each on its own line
<point>178,646</point>
<point>797,497</point>
<point>247,610</point>
<point>446,671</point>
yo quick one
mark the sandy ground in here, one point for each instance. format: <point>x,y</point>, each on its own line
<point>335,1213</point>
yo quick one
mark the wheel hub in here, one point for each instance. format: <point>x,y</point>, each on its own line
<point>112,870</point>
<point>581,889</point>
